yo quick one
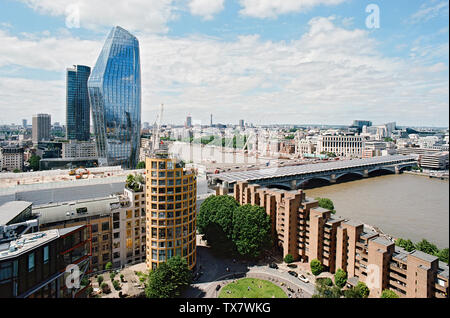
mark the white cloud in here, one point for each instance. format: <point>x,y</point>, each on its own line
<point>135,15</point>
<point>206,8</point>
<point>329,75</point>
<point>273,8</point>
<point>430,10</point>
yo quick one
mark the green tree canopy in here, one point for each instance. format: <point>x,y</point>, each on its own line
<point>363,290</point>
<point>141,165</point>
<point>217,210</point>
<point>324,290</point>
<point>443,255</point>
<point>169,279</point>
<point>251,230</point>
<point>408,245</point>
<point>387,293</point>
<point>427,247</point>
<point>34,162</point>
<point>326,204</point>
<point>316,267</point>
<point>340,278</point>
<point>288,258</point>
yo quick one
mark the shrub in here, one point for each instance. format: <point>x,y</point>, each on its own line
<point>116,285</point>
<point>288,258</point>
<point>105,288</point>
<point>316,267</point>
<point>387,293</point>
<point>112,275</point>
<point>121,277</point>
<point>108,266</point>
<point>100,279</point>
<point>340,278</point>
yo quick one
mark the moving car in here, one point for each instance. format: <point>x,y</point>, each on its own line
<point>273,265</point>
<point>303,279</point>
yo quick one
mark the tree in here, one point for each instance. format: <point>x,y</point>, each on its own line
<point>218,210</point>
<point>141,165</point>
<point>324,290</point>
<point>251,230</point>
<point>105,288</point>
<point>116,285</point>
<point>169,279</point>
<point>443,255</point>
<point>326,204</point>
<point>100,279</point>
<point>288,259</point>
<point>427,247</point>
<point>34,162</point>
<point>327,281</point>
<point>108,266</point>
<point>387,293</point>
<point>408,245</point>
<point>363,290</point>
<point>16,170</point>
<point>340,278</point>
<point>316,267</point>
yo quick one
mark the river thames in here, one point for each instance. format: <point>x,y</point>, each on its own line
<point>405,205</point>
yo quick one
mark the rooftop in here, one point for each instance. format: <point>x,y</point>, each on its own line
<point>382,241</point>
<point>64,211</point>
<point>424,256</point>
<point>28,242</point>
<point>10,210</point>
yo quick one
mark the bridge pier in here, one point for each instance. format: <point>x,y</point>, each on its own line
<point>333,178</point>
<point>366,173</point>
<point>293,184</point>
<point>397,170</point>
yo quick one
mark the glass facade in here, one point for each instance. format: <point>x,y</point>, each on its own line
<point>78,106</point>
<point>115,96</point>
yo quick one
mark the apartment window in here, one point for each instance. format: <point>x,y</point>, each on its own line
<point>94,228</point>
<point>46,254</point>
<point>105,226</point>
<point>117,235</point>
<point>31,262</point>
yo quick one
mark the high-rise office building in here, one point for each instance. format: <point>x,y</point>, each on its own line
<point>115,96</point>
<point>41,127</point>
<point>171,197</point>
<point>188,121</point>
<point>241,123</point>
<point>24,123</point>
<point>77,103</point>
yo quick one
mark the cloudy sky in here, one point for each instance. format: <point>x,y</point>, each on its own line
<point>264,61</point>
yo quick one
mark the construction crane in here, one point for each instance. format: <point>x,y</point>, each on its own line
<point>157,129</point>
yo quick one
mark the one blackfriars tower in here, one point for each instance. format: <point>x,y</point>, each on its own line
<point>115,97</point>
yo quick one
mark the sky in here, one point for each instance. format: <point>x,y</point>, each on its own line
<point>265,61</point>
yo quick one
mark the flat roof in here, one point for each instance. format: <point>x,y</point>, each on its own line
<point>27,242</point>
<point>424,256</point>
<point>382,241</point>
<point>443,269</point>
<point>268,173</point>
<point>64,211</point>
<point>12,209</point>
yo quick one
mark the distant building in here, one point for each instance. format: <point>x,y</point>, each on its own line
<point>77,103</point>
<point>241,124</point>
<point>11,158</point>
<point>188,122</point>
<point>341,145</point>
<point>24,123</point>
<point>41,128</point>
<point>79,149</point>
<point>434,161</point>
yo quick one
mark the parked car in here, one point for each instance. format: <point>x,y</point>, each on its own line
<point>303,279</point>
<point>292,265</point>
<point>217,287</point>
<point>273,265</point>
<point>293,273</point>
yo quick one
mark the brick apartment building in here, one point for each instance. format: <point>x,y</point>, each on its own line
<point>306,231</point>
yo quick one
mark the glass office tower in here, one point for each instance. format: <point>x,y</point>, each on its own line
<point>115,96</point>
<point>78,107</point>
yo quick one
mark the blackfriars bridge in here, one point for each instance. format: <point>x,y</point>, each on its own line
<point>296,177</point>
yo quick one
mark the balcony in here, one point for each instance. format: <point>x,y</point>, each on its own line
<point>398,277</point>
<point>397,268</point>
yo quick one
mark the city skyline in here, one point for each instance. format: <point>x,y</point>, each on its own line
<point>288,63</point>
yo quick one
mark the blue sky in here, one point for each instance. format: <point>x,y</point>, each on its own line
<point>265,61</point>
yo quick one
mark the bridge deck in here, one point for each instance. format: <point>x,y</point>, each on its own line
<point>277,172</point>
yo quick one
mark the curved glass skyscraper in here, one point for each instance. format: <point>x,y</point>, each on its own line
<point>115,96</point>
